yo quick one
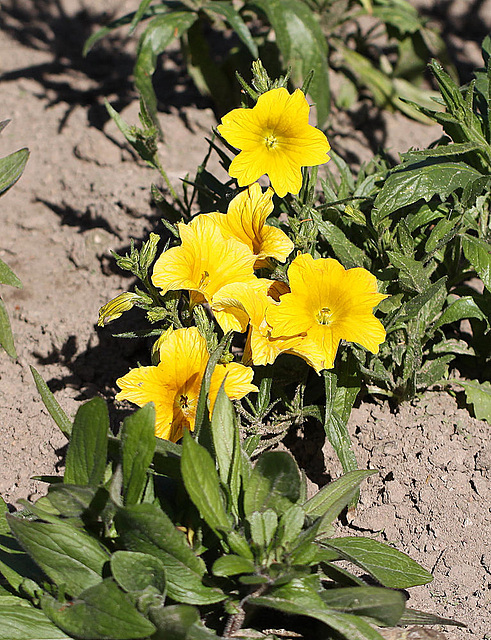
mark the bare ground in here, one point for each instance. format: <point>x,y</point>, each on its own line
<point>84,194</point>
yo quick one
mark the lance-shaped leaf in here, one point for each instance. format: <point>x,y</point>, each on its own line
<point>274,483</point>
<point>7,276</point>
<point>51,404</point>
<point>68,556</point>
<point>384,606</point>
<point>303,47</point>
<point>137,448</point>
<point>421,181</point>
<point>23,622</point>
<point>202,484</point>
<point>331,499</point>
<point>87,451</point>
<point>388,566</point>
<point>161,31</point>
<point>300,598</point>
<point>101,612</point>
<point>6,337</point>
<point>478,252</point>
<point>135,571</point>
<point>11,168</point>
<point>147,529</point>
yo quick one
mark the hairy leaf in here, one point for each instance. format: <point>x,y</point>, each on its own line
<point>102,612</point>
<point>68,556</point>
<point>87,449</point>
<point>420,181</point>
<point>390,567</point>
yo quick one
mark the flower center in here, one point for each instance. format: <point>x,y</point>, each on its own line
<point>204,280</point>
<point>324,316</point>
<point>184,403</point>
<point>271,141</point>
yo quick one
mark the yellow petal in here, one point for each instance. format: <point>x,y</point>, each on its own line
<point>204,262</point>
<point>274,138</point>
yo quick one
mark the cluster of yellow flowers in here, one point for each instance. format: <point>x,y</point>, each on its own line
<point>323,304</point>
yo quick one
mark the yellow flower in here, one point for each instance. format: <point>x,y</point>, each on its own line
<point>174,384</point>
<point>245,220</point>
<point>252,303</point>
<point>274,138</point>
<point>327,303</point>
<point>116,307</point>
<point>204,263</point>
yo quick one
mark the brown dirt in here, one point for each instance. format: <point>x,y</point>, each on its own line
<point>84,194</point>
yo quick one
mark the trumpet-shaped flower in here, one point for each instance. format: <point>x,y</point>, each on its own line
<point>204,263</point>
<point>174,384</point>
<point>327,303</point>
<point>253,303</point>
<point>274,138</point>
<point>245,220</point>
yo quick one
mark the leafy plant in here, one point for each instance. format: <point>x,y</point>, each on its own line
<point>387,57</point>
<point>423,227</point>
<point>11,168</point>
<point>143,538</point>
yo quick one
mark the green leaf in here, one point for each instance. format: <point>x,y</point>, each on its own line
<point>384,606</point>
<point>68,556</point>
<point>11,168</point>
<point>335,428</point>
<point>388,566</point>
<point>263,526</point>
<point>21,622</point>
<point>87,450</point>
<point>139,14</point>
<point>6,337</point>
<point>331,499</point>
<point>412,274</point>
<point>346,252</point>
<point>441,151</point>
<point>147,529</point>
<point>478,252</point>
<point>402,16</point>
<point>234,19</point>
<point>7,276</point>
<point>161,31</point>
<point>299,598</point>
<point>407,184</point>
<point>104,31</point>
<point>433,370</point>
<point>442,232</point>
<point>413,616</point>
<point>303,47</point>
<point>102,612</point>
<point>179,622</point>
<point>291,525</point>
<point>135,571</point>
<point>479,395</point>
<point>386,91</point>
<point>71,501</point>
<point>274,483</point>
<point>410,309</point>
<point>223,428</point>
<point>202,484</point>
<point>232,565</point>
<point>461,308</point>
<point>51,404</point>
<point>137,448</point>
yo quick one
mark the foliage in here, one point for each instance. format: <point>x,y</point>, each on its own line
<point>142,538</point>
<point>11,168</point>
<point>381,45</point>
<point>423,227</point>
